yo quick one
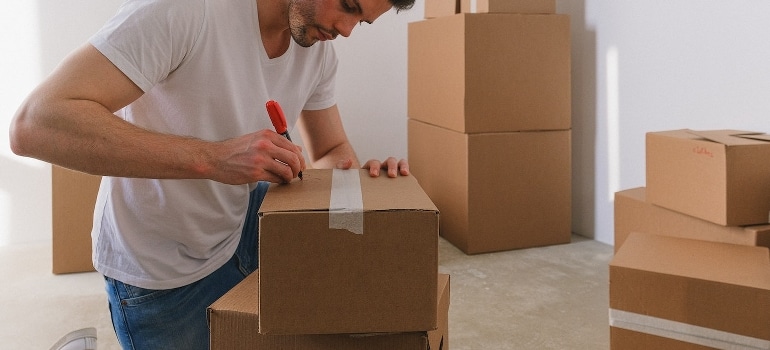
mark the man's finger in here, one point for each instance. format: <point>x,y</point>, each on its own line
<point>403,167</point>
<point>392,167</point>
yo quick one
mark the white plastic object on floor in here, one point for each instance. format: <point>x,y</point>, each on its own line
<point>81,339</point>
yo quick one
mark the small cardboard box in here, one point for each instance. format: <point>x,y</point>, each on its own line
<point>509,6</point>
<point>343,252</point>
<point>438,8</point>
<point>73,199</point>
<point>234,325</point>
<point>496,191</point>
<point>722,176</point>
<point>633,213</point>
<point>669,292</point>
<point>476,73</point>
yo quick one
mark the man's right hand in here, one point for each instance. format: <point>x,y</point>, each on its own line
<point>260,156</point>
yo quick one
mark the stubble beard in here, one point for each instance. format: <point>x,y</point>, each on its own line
<point>301,17</point>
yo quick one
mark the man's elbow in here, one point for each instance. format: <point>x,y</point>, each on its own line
<point>21,133</point>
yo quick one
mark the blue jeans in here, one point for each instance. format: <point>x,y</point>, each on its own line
<point>176,318</point>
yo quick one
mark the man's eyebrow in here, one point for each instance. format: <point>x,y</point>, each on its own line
<point>360,10</point>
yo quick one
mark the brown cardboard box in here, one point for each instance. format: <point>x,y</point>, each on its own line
<point>315,279</point>
<point>477,73</point>
<point>438,8</point>
<point>633,213</point>
<point>73,198</point>
<point>496,191</point>
<point>509,6</point>
<point>666,289</point>
<point>722,176</point>
<point>234,325</point>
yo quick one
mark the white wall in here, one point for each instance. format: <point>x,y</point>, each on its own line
<point>638,66</point>
<point>371,84</point>
<point>642,66</point>
<point>36,35</point>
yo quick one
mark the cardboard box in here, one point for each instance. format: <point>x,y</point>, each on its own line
<point>630,340</point>
<point>73,200</point>
<point>316,279</point>
<point>438,8</point>
<point>722,176</point>
<point>665,291</point>
<point>495,191</point>
<point>509,6</point>
<point>477,73</point>
<point>234,325</point>
<point>633,213</point>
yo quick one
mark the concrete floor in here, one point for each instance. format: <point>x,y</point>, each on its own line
<point>552,297</point>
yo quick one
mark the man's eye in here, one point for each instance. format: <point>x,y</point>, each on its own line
<point>347,7</point>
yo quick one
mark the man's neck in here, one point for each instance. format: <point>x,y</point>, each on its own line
<point>274,26</point>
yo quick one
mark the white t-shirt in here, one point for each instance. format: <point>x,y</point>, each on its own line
<point>205,74</point>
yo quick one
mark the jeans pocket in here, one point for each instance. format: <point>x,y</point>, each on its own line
<point>130,295</point>
<point>158,319</point>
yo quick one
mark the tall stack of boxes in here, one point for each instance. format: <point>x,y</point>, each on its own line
<point>340,275</point>
<point>692,265</point>
<point>489,124</point>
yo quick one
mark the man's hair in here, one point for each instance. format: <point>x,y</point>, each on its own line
<point>402,4</point>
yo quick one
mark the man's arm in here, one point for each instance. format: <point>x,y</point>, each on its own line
<point>328,145</point>
<point>68,120</point>
<point>325,139</point>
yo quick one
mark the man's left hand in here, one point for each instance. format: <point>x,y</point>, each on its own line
<point>392,166</point>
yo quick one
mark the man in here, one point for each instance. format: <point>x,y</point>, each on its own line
<point>167,101</point>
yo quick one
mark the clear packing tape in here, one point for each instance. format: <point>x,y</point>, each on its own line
<point>346,205</point>
<point>684,332</point>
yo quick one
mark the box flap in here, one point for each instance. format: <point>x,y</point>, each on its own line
<point>720,262</point>
<point>243,298</point>
<point>313,193</point>
<point>732,137</point>
<point>759,137</point>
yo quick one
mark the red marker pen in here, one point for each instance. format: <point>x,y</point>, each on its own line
<point>279,121</point>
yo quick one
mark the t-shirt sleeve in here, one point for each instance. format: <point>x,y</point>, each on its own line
<point>148,40</point>
<point>323,95</point>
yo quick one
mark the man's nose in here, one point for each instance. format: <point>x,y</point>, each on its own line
<point>346,24</point>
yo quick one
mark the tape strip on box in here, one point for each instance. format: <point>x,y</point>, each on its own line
<point>346,205</point>
<point>684,332</point>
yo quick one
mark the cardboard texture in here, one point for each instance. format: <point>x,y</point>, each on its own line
<point>633,213</point>
<point>509,6</point>
<point>496,191</point>
<point>722,176</point>
<point>73,199</point>
<point>315,279</point>
<point>692,291</point>
<point>438,8</point>
<point>463,79</point>
<point>234,325</point>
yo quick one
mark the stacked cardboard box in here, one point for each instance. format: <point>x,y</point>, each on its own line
<point>490,125</point>
<point>438,8</point>
<point>73,199</point>
<point>692,265</point>
<point>634,213</point>
<point>722,176</point>
<point>234,325</point>
<point>676,293</point>
<point>341,252</point>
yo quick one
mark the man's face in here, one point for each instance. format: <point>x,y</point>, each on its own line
<point>314,20</point>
